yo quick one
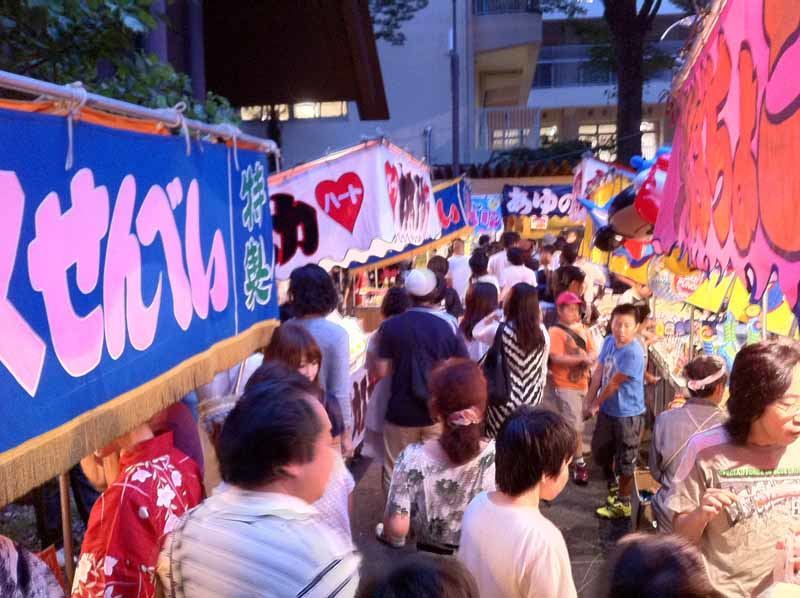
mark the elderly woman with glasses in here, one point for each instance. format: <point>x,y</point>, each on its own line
<point>737,489</point>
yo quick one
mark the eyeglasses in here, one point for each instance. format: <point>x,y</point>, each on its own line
<point>789,404</point>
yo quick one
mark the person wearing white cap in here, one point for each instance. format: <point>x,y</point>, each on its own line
<point>410,345</point>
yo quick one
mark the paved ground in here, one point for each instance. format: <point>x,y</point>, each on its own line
<point>589,539</point>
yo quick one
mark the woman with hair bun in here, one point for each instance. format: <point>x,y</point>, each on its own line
<point>434,481</point>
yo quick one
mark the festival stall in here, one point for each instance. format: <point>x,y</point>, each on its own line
<point>351,206</point>
<point>452,200</point>
<point>729,201</point>
<point>126,282</point>
<point>363,209</point>
<point>731,192</point>
<point>535,210</point>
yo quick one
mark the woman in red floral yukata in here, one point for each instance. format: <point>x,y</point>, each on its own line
<point>156,484</point>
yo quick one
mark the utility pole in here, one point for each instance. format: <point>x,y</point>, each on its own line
<point>454,91</point>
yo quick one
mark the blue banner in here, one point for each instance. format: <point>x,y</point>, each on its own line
<point>486,215</point>
<point>450,205</point>
<point>536,200</point>
<point>114,272</point>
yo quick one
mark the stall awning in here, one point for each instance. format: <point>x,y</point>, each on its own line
<point>364,203</point>
<point>102,326</point>
<point>289,51</point>
<point>452,206</point>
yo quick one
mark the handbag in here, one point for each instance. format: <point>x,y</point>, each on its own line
<point>494,370</point>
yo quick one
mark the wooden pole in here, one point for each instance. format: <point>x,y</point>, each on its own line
<point>691,334</point>
<point>66,527</point>
<point>764,307</point>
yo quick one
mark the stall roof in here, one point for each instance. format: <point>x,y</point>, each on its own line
<point>280,52</point>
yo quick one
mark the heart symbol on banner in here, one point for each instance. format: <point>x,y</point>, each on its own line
<point>392,183</point>
<point>342,199</point>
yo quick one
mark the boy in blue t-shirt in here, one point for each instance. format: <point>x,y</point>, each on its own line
<point>619,377</point>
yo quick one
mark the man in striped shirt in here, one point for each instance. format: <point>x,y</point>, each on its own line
<point>259,535</point>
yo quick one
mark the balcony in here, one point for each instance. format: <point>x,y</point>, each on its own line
<point>501,24</point>
<point>572,66</point>
<point>506,35</point>
<point>494,7</point>
<point>507,128</point>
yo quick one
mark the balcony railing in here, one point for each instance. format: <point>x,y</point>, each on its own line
<point>496,7</point>
<point>572,66</point>
<point>507,127</point>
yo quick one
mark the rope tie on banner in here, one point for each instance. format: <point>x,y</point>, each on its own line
<point>74,107</point>
<point>234,133</point>
<point>180,108</point>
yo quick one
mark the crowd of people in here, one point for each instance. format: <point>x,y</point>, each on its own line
<point>483,375</point>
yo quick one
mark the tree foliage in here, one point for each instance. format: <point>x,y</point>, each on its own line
<point>99,43</point>
<point>388,17</point>
<point>562,150</point>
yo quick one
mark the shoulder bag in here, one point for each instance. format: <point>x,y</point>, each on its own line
<point>494,370</point>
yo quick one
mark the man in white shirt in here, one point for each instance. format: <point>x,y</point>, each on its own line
<point>515,272</point>
<point>510,548</point>
<point>459,272</point>
<point>499,261</point>
<point>259,534</point>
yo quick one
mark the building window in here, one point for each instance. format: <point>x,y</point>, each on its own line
<point>509,138</point>
<point>603,139</point>
<point>302,110</point>
<point>548,135</point>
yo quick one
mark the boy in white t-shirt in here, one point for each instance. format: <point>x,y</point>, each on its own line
<point>510,548</point>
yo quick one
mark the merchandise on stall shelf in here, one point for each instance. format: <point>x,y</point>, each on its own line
<point>371,297</point>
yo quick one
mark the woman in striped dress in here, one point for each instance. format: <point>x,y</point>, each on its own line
<point>526,345</point>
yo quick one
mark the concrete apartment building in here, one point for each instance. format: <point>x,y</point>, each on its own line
<point>523,80</point>
<point>573,99</point>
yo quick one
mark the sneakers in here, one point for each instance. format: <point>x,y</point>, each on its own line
<point>613,491</point>
<point>580,474</point>
<point>616,510</point>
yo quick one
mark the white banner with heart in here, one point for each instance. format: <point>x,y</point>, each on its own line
<point>350,206</point>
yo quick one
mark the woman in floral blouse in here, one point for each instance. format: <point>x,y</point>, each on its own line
<point>434,481</point>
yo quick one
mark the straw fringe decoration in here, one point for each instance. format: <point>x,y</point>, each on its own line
<point>34,462</point>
